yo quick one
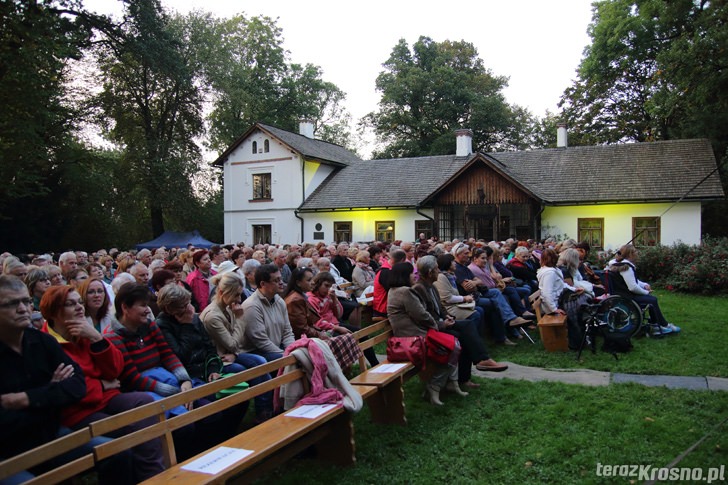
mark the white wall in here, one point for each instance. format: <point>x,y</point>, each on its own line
<point>363,223</point>
<point>681,223</point>
<point>283,165</point>
<point>241,214</point>
<point>285,227</point>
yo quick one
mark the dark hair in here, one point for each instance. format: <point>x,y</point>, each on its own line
<point>398,256</point>
<point>478,251</point>
<point>374,250</point>
<point>160,277</point>
<point>235,254</point>
<point>321,278</point>
<point>488,251</point>
<point>583,245</point>
<point>549,258</point>
<point>215,249</point>
<point>173,266</point>
<point>262,274</point>
<point>444,261</point>
<point>400,275</point>
<point>128,295</point>
<point>296,275</point>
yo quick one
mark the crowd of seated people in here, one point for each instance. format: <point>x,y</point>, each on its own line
<point>144,325</point>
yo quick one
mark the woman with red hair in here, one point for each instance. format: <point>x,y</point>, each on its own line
<point>199,279</point>
<point>102,364</point>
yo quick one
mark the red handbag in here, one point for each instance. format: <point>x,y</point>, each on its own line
<point>442,347</point>
<point>406,349</point>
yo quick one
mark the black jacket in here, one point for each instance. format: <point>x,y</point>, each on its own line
<point>190,342</point>
<point>23,429</point>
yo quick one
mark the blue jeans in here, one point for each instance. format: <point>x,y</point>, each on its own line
<point>494,299</point>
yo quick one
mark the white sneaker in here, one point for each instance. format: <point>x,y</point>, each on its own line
<point>673,328</point>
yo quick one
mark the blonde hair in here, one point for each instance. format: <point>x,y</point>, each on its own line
<point>227,284</point>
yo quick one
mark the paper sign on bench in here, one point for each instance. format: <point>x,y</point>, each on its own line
<point>217,460</point>
<point>387,368</point>
<point>310,411</point>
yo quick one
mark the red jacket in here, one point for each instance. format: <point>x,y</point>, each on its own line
<point>200,287</point>
<point>381,287</point>
<point>100,360</point>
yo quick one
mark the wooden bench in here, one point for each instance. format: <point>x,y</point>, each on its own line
<point>552,328</point>
<point>387,404</point>
<point>54,449</point>
<point>272,441</point>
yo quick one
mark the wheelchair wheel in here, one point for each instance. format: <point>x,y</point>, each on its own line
<point>621,315</point>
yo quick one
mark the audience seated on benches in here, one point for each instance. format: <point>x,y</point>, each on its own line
<point>102,365</point>
<point>410,318</point>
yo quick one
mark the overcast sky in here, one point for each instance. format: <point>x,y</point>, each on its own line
<point>537,44</point>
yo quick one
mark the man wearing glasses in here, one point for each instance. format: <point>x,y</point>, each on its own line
<point>265,316</point>
<point>37,378</point>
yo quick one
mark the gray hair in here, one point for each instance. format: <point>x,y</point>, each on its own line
<point>63,257</point>
<point>120,280</point>
<point>521,249</point>
<point>11,283</point>
<point>250,265</point>
<point>323,262</point>
<point>155,265</point>
<point>173,298</point>
<point>10,263</point>
<point>304,263</point>
<point>570,259</point>
<point>426,265</point>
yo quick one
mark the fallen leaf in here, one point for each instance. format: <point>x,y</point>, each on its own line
<point>649,419</point>
<point>529,463</point>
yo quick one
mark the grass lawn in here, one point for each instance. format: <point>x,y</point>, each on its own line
<point>522,432</point>
<point>696,351</point>
<point>519,432</point>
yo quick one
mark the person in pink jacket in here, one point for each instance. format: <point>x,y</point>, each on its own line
<point>199,279</point>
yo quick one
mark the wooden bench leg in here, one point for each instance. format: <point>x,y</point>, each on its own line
<point>387,405</point>
<point>338,447</point>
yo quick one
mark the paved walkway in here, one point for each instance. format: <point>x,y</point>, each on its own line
<point>589,377</point>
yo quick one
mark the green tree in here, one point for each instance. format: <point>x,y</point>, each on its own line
<point>655,70</point>
<point>250,79</point>
<point>433,89</point>
<point>152,108</point>
<point>38,150</point>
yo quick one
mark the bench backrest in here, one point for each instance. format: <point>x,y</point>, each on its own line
<point>48,451</point>
<point>164,428</point>
<point>383,331</point>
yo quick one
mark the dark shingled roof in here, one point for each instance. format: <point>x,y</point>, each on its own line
<point>317,149</point>
<point>399,182</point>
<point>659,171</point>
<point>320,150</point>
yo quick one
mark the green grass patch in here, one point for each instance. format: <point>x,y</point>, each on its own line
<point>697,351</point>
<point>522,432</point>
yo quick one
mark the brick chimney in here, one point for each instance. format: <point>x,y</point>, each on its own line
<point>562,138</point>
<point>464,143</point>
<point>305,128</point>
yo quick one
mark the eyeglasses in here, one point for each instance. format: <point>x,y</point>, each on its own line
<point>72,303</point>
<point>17,301</point>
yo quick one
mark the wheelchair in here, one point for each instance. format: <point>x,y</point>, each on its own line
<point>616,319</point>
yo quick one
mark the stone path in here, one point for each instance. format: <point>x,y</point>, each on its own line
<point>589,377</point>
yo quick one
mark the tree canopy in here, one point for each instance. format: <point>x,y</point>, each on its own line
<point>434,88</point>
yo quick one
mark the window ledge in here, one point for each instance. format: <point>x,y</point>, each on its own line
<point>260,200</point>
